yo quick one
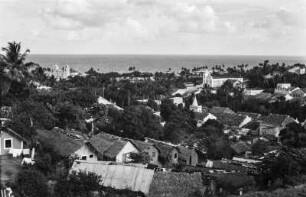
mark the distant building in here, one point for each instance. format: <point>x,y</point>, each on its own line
<point>284,88</point>
<point>215,81</point>
<point>113,148</point>
<point>298,69</point>
<point>203,117</point>
<point>62,72</point>
<point>274,123</point>
<point>178,100</point>
<point>252,92</point>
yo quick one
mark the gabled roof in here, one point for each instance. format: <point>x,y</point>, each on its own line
<point>184,153</point>
<point>216,110</point>
<point>230,119</point>
<point>114,149</point>
<point>108,145</point>
<point>263,96</point>
<point>59,142</point>
<point>12,133</point>
<point>275,119</point>
<point>165,149</point>
<point>254,116</point>
<point>297,91</point>
<point>141,146</point>
<point>200,116</point>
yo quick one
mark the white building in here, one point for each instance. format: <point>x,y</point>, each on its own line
<point>217,81</point>
<point>195,107</point>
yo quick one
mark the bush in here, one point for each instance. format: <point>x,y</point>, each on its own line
<point>32,183</point>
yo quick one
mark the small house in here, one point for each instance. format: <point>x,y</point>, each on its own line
<point>66,146</point>
<point>175,154</point>
<point>150,149</point>
<point>11,142</point>
<point>201,118</point>
<point>274,123</point>
<point>216,110</point>
<point>113,148</point>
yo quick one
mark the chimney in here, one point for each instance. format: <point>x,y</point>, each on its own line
<point>32,154</point>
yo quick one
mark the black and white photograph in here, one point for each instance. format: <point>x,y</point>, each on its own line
<point>152,98</point>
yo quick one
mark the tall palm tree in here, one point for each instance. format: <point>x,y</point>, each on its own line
<point>12,66</point>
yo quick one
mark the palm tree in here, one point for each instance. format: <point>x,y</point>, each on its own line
<point>12,66</point>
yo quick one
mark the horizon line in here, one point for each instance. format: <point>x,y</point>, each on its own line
<point>167,54</point>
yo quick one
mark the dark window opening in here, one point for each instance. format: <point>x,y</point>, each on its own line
<point>8,143</point>
<point>83,158</point>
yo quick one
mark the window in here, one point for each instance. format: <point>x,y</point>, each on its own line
<point>90,156</point>
<point>8,143</point>
<point>83,158</point>
<point>175,155</point>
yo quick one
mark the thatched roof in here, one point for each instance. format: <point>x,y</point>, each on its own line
<point>172,184</point>
<point>59,142</point>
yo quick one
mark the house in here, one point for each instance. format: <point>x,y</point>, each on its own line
<point>11,142</point>
<point>252,92</point>
<point>215,81</point>
<point>298,69</point>
<point>113,148</point>
<point>298,94</point>
<point>284,88</point>
<point>66,145</point>
<point>217,110</point>
<point>201,118</point>
<point>178,100</point>
<point>148,148</point>
<point>264,96</point>
<point>188,156</point>
<point>253,116</point>
<point>103,101</point>
<point>62,72</point>
<point>195,107</point>
<point>233,120</point>
<point>274,123</point>
<point>175,154</point>
<point>186,91</point>
<point>169,153</point>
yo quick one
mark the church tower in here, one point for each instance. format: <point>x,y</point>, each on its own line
<point>195,107</point>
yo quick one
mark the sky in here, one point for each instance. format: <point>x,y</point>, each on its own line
<point>213,27</point>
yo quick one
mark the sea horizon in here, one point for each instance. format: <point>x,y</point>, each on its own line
<point>154,62</point>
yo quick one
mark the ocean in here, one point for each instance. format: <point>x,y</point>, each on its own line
<point>153,63</point>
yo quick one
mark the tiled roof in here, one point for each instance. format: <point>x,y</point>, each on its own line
<point>200,116</point>
<point>254,116</point>
<point>61,143</point>
<point>141,146</point>
<point>230,119</point>
<point>108,145</point>
<point>114,149</point>
<point>263,96</point>
<point>275,119</point>
<point>165,149</point>
<point>216,110</point>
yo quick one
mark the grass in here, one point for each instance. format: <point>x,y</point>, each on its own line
<point>9,168</point>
